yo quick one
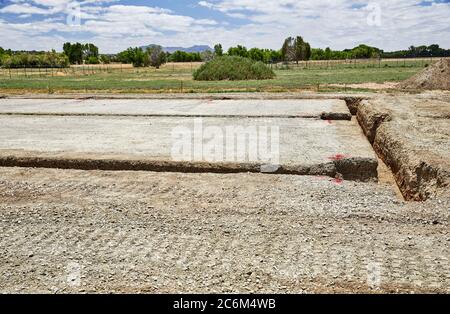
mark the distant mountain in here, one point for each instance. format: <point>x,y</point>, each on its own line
<point>197,48</point>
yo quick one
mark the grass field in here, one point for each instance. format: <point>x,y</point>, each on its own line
<point>178,78</point>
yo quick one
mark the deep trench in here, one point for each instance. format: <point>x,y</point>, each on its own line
<point>353,104</point>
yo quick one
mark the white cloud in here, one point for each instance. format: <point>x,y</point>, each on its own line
<point>115,26</point>
<point>23,9</point>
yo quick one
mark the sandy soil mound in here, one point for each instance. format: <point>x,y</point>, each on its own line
<point>436,76</point>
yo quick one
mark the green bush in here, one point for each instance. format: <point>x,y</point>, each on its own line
<point>233,68</point>
<point>92,60</point>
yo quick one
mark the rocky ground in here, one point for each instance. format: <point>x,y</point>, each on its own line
<point>93,231</point>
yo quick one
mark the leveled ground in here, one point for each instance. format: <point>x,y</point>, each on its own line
<point>96,231</point>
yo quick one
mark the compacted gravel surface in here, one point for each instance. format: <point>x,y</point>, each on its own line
<point>66,231</point>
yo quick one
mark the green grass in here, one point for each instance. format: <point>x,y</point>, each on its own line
<point>177,80</point>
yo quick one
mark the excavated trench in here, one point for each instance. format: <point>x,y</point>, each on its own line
<point>419,176</point>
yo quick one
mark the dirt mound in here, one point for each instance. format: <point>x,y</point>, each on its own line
<point>437,76</point>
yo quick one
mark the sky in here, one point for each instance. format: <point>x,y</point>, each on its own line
<point>114,25</point>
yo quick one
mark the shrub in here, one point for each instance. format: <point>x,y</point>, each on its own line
<point>92,60</point>
<point>233,68</point>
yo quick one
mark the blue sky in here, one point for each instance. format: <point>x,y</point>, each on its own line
<point>117,24</point>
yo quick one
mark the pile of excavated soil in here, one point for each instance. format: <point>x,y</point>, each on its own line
<point>434,77</point>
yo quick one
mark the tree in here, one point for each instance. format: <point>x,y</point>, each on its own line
<point>77,53</point>
<point>300,49</point>
<point>207,55</point>
<point>295,49</point>
<point>156,56</point>
<point>105,59</point>
<point>74,52</point>
<point>135,56</point>
<point>182,56</point>
<point>2,55</point>
<point>239,51</point>
<point>90,50</point>
<point>32,60</point>
<point>256,54</point>
<point>218,50</point>
<point>308,52</point>
<point>92,60</point>
<point>286,49</point>
<point>328,53</point>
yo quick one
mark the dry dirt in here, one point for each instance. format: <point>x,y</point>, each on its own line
<point>69,231</point>
<point>436,76</point>
<point>370,86</point>
<point>412,135</point>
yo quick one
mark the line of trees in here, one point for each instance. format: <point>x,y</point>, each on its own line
<point>293,50</point>
<point>152,56</point>
<point>359,52</point>
<point>52,59</point>
<point>419,52</point>
<point>182,56</point>
<point>256,54</point>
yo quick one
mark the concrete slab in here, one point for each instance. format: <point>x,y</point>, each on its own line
<point>305,146</point>
<point>304,108</point>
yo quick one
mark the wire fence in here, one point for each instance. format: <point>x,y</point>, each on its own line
<point>355,63</point>
<point>189,67</point>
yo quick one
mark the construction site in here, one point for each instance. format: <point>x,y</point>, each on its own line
<point>165,193</point>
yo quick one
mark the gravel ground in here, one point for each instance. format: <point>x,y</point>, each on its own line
<point>66,231</point>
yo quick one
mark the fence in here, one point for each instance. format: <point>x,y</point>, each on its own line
<point>73,70</point>
<point>355,63</point>
<point>83,70</point>
<point>189,67</point>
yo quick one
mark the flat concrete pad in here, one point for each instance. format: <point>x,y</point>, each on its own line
<point>306,146</point>
<point>306,108</point>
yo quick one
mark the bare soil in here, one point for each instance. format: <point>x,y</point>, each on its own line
<point>412,135</point>
<point>67,231</point>
<point>436,76</point>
